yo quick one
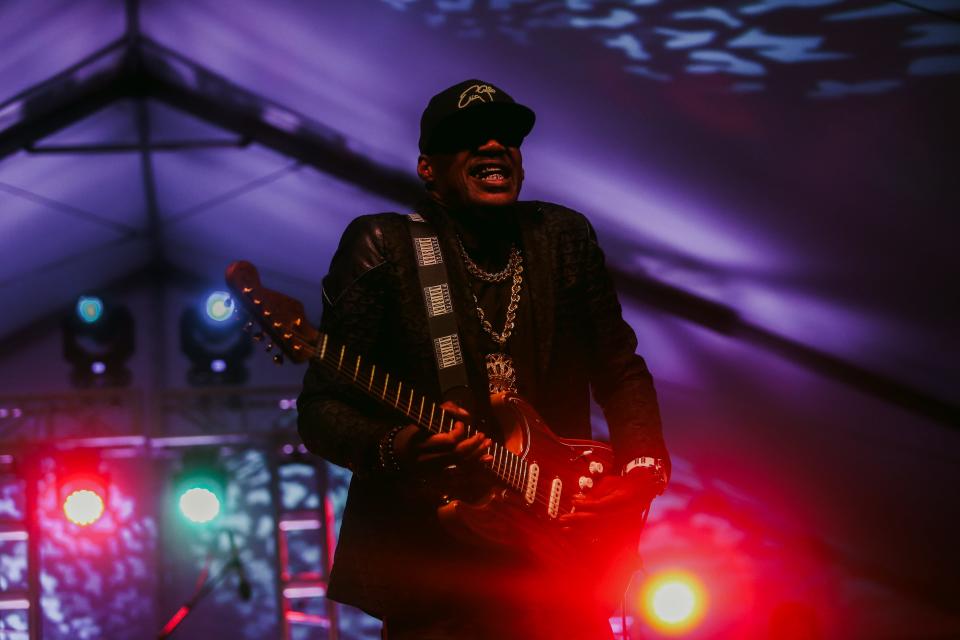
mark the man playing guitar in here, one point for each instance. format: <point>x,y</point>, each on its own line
<point>536,317</point>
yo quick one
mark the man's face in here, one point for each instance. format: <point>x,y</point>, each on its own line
<point>488,174</point>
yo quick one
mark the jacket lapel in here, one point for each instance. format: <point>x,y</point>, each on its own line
<point>538,258</point>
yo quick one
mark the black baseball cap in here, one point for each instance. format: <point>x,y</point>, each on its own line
<point>469,113</point>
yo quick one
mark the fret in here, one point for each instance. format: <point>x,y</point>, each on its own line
<point>343,350</point>
<point>443,415</point>
<point>420,412</point>
<point>396,401</point>
<point>373,372</point>
<point>356,369</point>
<point>386,381</point>
<point>410,402</point>
<point>323,347</point>
<point>433,407</point>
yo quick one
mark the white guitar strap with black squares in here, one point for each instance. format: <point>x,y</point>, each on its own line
<point>436,298</point>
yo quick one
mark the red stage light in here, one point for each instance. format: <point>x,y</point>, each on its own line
<point>83,506</point>
<point>82,487</point>
<point>674,602</point>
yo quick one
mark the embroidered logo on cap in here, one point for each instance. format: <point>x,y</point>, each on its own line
<point>481,92</point>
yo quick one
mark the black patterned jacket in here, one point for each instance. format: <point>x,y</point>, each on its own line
<point>391,550</point>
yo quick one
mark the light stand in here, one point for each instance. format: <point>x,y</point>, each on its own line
<point>209,585</point>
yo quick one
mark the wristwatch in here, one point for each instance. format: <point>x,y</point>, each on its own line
<point>648,462</point>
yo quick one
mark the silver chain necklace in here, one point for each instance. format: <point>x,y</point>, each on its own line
<point>513,269</point>
<point>477,272</point>
<point>501,375</point>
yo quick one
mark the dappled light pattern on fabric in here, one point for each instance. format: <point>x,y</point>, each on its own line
<point>98,581</point>
<point>248,513</point>
<point>820,53</point>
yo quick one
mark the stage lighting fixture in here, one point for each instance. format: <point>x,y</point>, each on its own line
<point>219,306</point>
<point>98,340</point>
<point>83,506</point>
<point>89,308</point>
<point>200,487</point>
<point>82,487</point>
<point>674,602</point>
<point>212,337</point>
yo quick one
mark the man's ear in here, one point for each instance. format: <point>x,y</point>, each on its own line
<point>425,169</point>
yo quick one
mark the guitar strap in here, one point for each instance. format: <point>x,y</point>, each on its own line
<point>436,299</point>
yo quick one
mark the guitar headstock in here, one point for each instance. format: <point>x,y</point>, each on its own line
<point>280,317</point>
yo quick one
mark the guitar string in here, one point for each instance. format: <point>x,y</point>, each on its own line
<point>541,498</point>
<point>509,458</point>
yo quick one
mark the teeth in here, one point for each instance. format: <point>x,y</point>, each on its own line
<point>492,177</point>
<point>485,172</point>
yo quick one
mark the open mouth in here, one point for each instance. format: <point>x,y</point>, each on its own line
<point>491,172</point>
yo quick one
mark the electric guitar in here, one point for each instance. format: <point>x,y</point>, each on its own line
<point>532,479</point>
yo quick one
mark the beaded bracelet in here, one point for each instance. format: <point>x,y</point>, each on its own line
<point>386,454</point>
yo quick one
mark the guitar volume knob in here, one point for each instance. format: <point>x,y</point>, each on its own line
<point>596,467</point>
<point>585,482</point>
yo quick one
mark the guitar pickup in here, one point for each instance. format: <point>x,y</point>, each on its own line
<point>533,476</point>
<point>553,506</point>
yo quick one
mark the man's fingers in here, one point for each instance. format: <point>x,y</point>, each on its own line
<point>476,442</point>
<point>455,409</point>
<point>609,502</point>
<point>444,440</point>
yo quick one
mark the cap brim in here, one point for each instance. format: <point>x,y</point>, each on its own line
<point>507,120</point>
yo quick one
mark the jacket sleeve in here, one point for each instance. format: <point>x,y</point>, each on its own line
<point>334,420</point>
<point>621,383</point>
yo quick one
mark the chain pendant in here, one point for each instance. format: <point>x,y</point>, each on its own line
<point>501,375</point>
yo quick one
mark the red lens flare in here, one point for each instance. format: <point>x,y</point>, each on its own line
<point>673,602</point>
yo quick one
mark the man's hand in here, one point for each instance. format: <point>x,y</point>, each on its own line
<point>420,452</point>
<point>614,500</point>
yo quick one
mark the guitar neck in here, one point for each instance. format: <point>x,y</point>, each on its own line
<point>403,398</point>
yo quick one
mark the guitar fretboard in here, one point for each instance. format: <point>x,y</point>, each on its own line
<point>508,467</point>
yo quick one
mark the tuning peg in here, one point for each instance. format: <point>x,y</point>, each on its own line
<point>258,336</point>
<point>278,358</point>
<point>268,346</point>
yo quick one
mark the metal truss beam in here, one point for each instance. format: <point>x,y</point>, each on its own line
<point>116,418</point>
<point>140,68</point>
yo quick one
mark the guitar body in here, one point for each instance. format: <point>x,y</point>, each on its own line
<point>533,478</point>
<point>595,565</point>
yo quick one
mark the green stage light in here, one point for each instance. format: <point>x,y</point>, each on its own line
<point>199,505</point>
<point>199,488</point>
